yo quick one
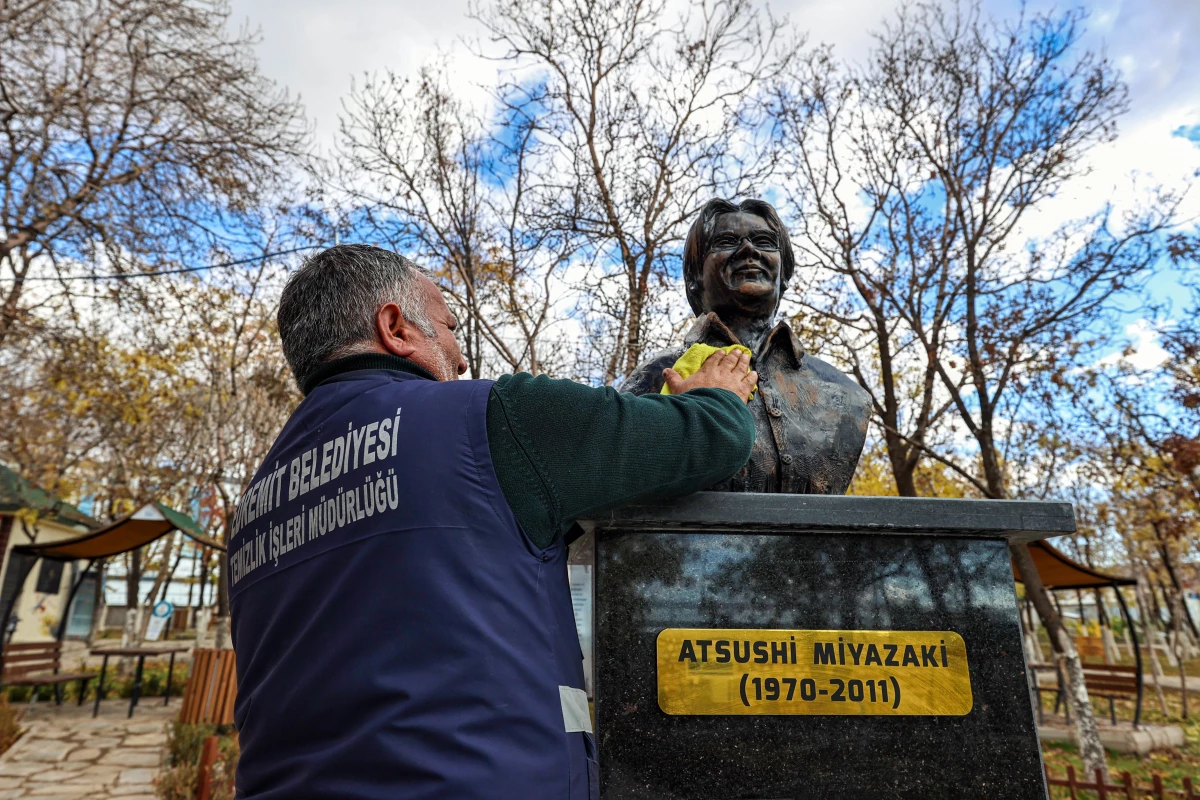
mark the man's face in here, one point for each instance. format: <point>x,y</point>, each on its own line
<point>741,271</point>
<point>441,355</point>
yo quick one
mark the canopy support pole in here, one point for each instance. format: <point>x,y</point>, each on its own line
<point>1137,655</point>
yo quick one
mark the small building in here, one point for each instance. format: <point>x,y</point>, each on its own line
<point>31,515</point>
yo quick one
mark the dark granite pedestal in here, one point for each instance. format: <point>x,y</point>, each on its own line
<point>804,563</point>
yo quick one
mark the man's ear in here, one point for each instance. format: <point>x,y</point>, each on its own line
<point>396,334</point>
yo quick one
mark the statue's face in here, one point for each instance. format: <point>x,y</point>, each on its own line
<point>741,270</point>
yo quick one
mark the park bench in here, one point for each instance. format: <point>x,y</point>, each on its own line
<point>37,664</point>
<point>1110,681</point>
<point>211,688</point>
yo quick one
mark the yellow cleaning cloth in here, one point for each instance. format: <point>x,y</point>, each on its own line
<point>690,362</point>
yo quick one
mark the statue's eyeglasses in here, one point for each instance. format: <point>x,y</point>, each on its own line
<point>765,242</point>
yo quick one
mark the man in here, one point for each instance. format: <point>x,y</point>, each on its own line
<point>810,418</point>
<point>401,612</point>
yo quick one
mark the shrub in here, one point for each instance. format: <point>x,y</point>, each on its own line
<point>10,725</point>
<point>154,681</point>
<point>181,770</point>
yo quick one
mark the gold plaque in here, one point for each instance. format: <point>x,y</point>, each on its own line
<point>742,671</point>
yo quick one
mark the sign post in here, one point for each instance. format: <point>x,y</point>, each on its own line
<point>159,615</point>
<point>795,646</point>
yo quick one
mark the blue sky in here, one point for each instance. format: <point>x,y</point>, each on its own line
<point>317,47</point>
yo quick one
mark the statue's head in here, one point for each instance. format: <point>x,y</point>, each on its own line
<point>737,259</point>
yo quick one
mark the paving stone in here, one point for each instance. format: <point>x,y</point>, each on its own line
<point>145,727</point>
<point>125,791</point>
<point>9,794</point>
<point>100,786</point>
<point>42,750</point>
<point>52,733</point>
<point>101,741</point>
<point>9,783</point>
<point>129,776</point>
<point>84,754</point>
<point>19,769</point>
<point>50,776</point>
<point>93,725</point>
<point>65,768</point>
<point>135,758</point>
<point>87,789</point>
<point>60,791</point>
<point>145,740</point>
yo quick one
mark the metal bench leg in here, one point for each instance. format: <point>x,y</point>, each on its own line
<point>137,685</point>
<point>100,686</point>
<point>170,674</point>
<point>58,694</point>
<point>83,682</point>
<point>1112,712</point>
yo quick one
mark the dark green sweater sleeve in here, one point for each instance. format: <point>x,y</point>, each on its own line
<point>565,451</point>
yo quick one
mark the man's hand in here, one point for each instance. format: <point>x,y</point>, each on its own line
<point>721,370</point>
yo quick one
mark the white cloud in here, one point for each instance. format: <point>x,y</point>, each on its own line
<point>1145,350</point>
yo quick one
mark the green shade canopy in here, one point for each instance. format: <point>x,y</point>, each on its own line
<point>17,494</point>
<point>128,533</point>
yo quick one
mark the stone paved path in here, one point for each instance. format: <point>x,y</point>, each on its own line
<point>67,755</point>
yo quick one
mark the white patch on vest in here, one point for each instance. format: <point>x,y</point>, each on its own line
<point>576,716</point>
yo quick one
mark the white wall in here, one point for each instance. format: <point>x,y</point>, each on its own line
<point>40,613</point>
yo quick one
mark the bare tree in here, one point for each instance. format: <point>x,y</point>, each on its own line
<point>243,390</point>
<point>879,287</point>
<point>128,129</point>
<point>956,130</point>
<point>646,116</point>
<point>461,192</point>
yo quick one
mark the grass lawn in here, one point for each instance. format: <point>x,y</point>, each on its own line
<point>1173,765</point>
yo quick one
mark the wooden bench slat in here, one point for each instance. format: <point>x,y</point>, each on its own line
<point>1099,690</point>
<point>25,669</point>
<point>52,647</point>
<point>49,678</point>
<point>23,657</point>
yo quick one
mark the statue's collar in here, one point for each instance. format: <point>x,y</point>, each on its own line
<point>711,330</point>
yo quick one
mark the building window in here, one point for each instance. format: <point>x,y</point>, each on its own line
<point>50,576</point>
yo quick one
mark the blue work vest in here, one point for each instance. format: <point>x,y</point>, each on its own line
<point>397,634</point>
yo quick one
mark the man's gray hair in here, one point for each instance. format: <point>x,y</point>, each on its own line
<point>329,305</point>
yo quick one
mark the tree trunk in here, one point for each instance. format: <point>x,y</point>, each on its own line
<point>171,575</point>
<point>1087,736</point>
<point>1037,653</point>
<point>203,577</point>
<point>1169,562</point>
<point>130,636</point>
<point>1181,656</point>
<point>633,347</point>
<point>903,467</point>
<point>98,606</point>
<point>1148,632</point>
<point>159,578</point>
<point>222,638</point>
<point>1111,654</point>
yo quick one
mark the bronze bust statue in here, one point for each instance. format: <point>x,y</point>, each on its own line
<point>811,418</point>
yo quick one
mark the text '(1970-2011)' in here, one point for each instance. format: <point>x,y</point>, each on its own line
<point>709,672</point>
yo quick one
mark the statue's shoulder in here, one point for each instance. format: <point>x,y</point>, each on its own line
<point>647,378</point>
<point>854,399</point>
